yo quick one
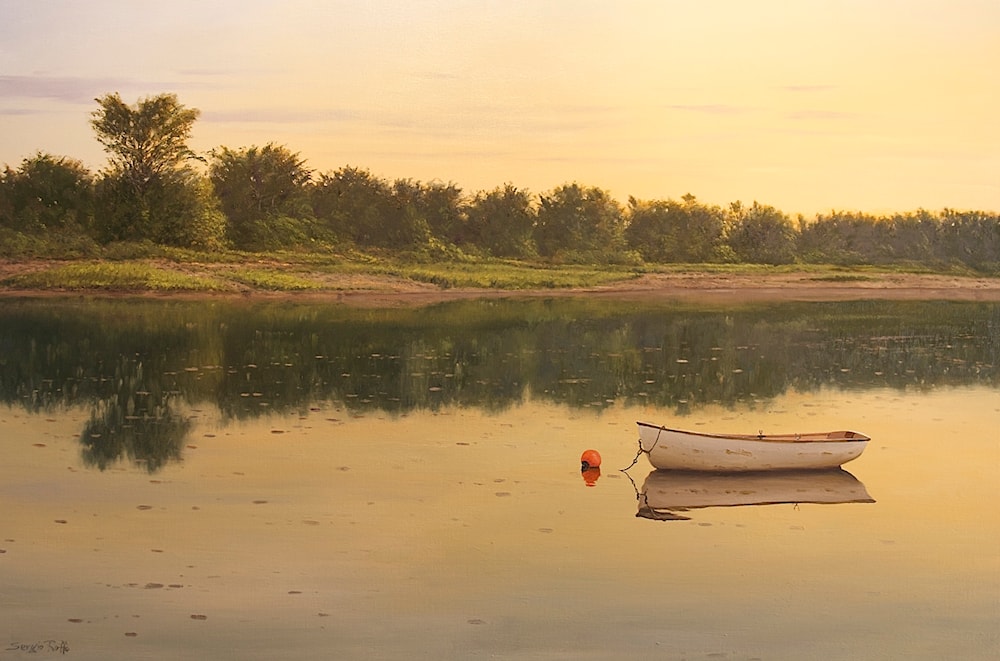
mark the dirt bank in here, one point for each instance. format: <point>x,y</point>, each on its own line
<point>709,287</point>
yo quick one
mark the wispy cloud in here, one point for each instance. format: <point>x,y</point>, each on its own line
<point>69,89</point>
<point>18,112</point>
<point>498,122</point>
<point>206,72</point>
<point>73,89</point>
<point>277,116</point>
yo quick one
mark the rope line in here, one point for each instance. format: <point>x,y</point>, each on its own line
<point>634,461</point>
<point>640,451</point>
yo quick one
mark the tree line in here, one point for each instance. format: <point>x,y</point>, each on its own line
<point>155,189</point>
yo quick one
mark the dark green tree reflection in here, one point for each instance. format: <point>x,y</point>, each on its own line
<point>143,366</point>
<point>135,421</point>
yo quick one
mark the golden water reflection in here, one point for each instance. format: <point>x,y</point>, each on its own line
<point>143,366</point>
<point>464,534</point>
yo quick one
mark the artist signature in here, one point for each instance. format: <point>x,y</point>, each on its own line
<point>39,647</point>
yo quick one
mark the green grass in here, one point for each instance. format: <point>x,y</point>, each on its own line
<point>272,280</point>
<point>113,276</point>
<point>483,273</point>
<point>511,276</point>
<point>170,269</point>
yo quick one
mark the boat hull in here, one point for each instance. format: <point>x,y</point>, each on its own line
<point>673,449</point>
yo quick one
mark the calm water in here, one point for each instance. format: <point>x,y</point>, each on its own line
<point>227,481</point>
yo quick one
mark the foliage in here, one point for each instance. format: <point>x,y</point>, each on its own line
<point>971,238</point>
<point>204,225</point>
<point>177,209</point>
<point>272,279</point>
<point>372,213</point>
<point>513,276</point>
<point>441,207</point>
<point>761,234</point>
<point>145,141</point>
<point>501,222</point>
<point>129,276</point>
<point>578,218</point>
<point>839,238</point>
<point>47,193</point>
<point>150,192</point>
<point>671,231</point>
<point>405,223</point>
<point>154,198</point>
<point>351,202</point>
<point>263,195</point>
<point>56,244</point>
<point>47,208</point>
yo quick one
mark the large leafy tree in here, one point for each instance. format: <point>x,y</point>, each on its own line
<point>150,192</point>
<point>761,234</point>
<point>47,193</point>
<point>842,238</point>
<point>404,214</point>
<point>912,236</point>
<point>353,204</point>
<point>501,221</point>
<point>442,206</point>
<point>580,220</point>
<point>971,237</point>
<point>405,225</point>
<point>648,230</point>
<point>264,194</point>
<point>372,212</point>
<point>145,141</point>
<point>672,231</point>
<point>178,210</point>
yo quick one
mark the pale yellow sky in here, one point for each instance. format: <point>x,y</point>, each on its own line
<point>808,105</point>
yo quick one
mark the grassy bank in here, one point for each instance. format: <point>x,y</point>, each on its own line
<point>145,269</point>
<point>187,271</point>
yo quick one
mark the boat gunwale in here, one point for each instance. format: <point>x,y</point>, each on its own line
<point>813,437</point>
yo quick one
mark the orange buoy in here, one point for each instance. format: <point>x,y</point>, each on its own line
<point>590,459</point>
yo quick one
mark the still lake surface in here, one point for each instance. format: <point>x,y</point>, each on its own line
<point>225,480</point>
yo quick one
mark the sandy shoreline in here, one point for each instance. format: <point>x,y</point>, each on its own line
<point>381,291</point>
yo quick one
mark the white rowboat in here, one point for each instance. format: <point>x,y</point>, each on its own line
<point>674,449</point>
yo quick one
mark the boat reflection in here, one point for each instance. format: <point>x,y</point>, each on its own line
<point>665,493</point>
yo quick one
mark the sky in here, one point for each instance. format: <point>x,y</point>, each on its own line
<point>807,105</point>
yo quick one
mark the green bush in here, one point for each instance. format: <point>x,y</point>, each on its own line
<point>60,245</point>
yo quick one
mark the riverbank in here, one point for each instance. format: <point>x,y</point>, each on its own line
<point>695,286</point>
<point>373,289</point>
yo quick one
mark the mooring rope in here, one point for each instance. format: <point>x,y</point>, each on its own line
<point>641,450</point>
<point>634,461</point>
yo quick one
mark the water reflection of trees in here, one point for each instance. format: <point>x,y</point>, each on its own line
<point>137,364</point>
<point>136,421</point>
